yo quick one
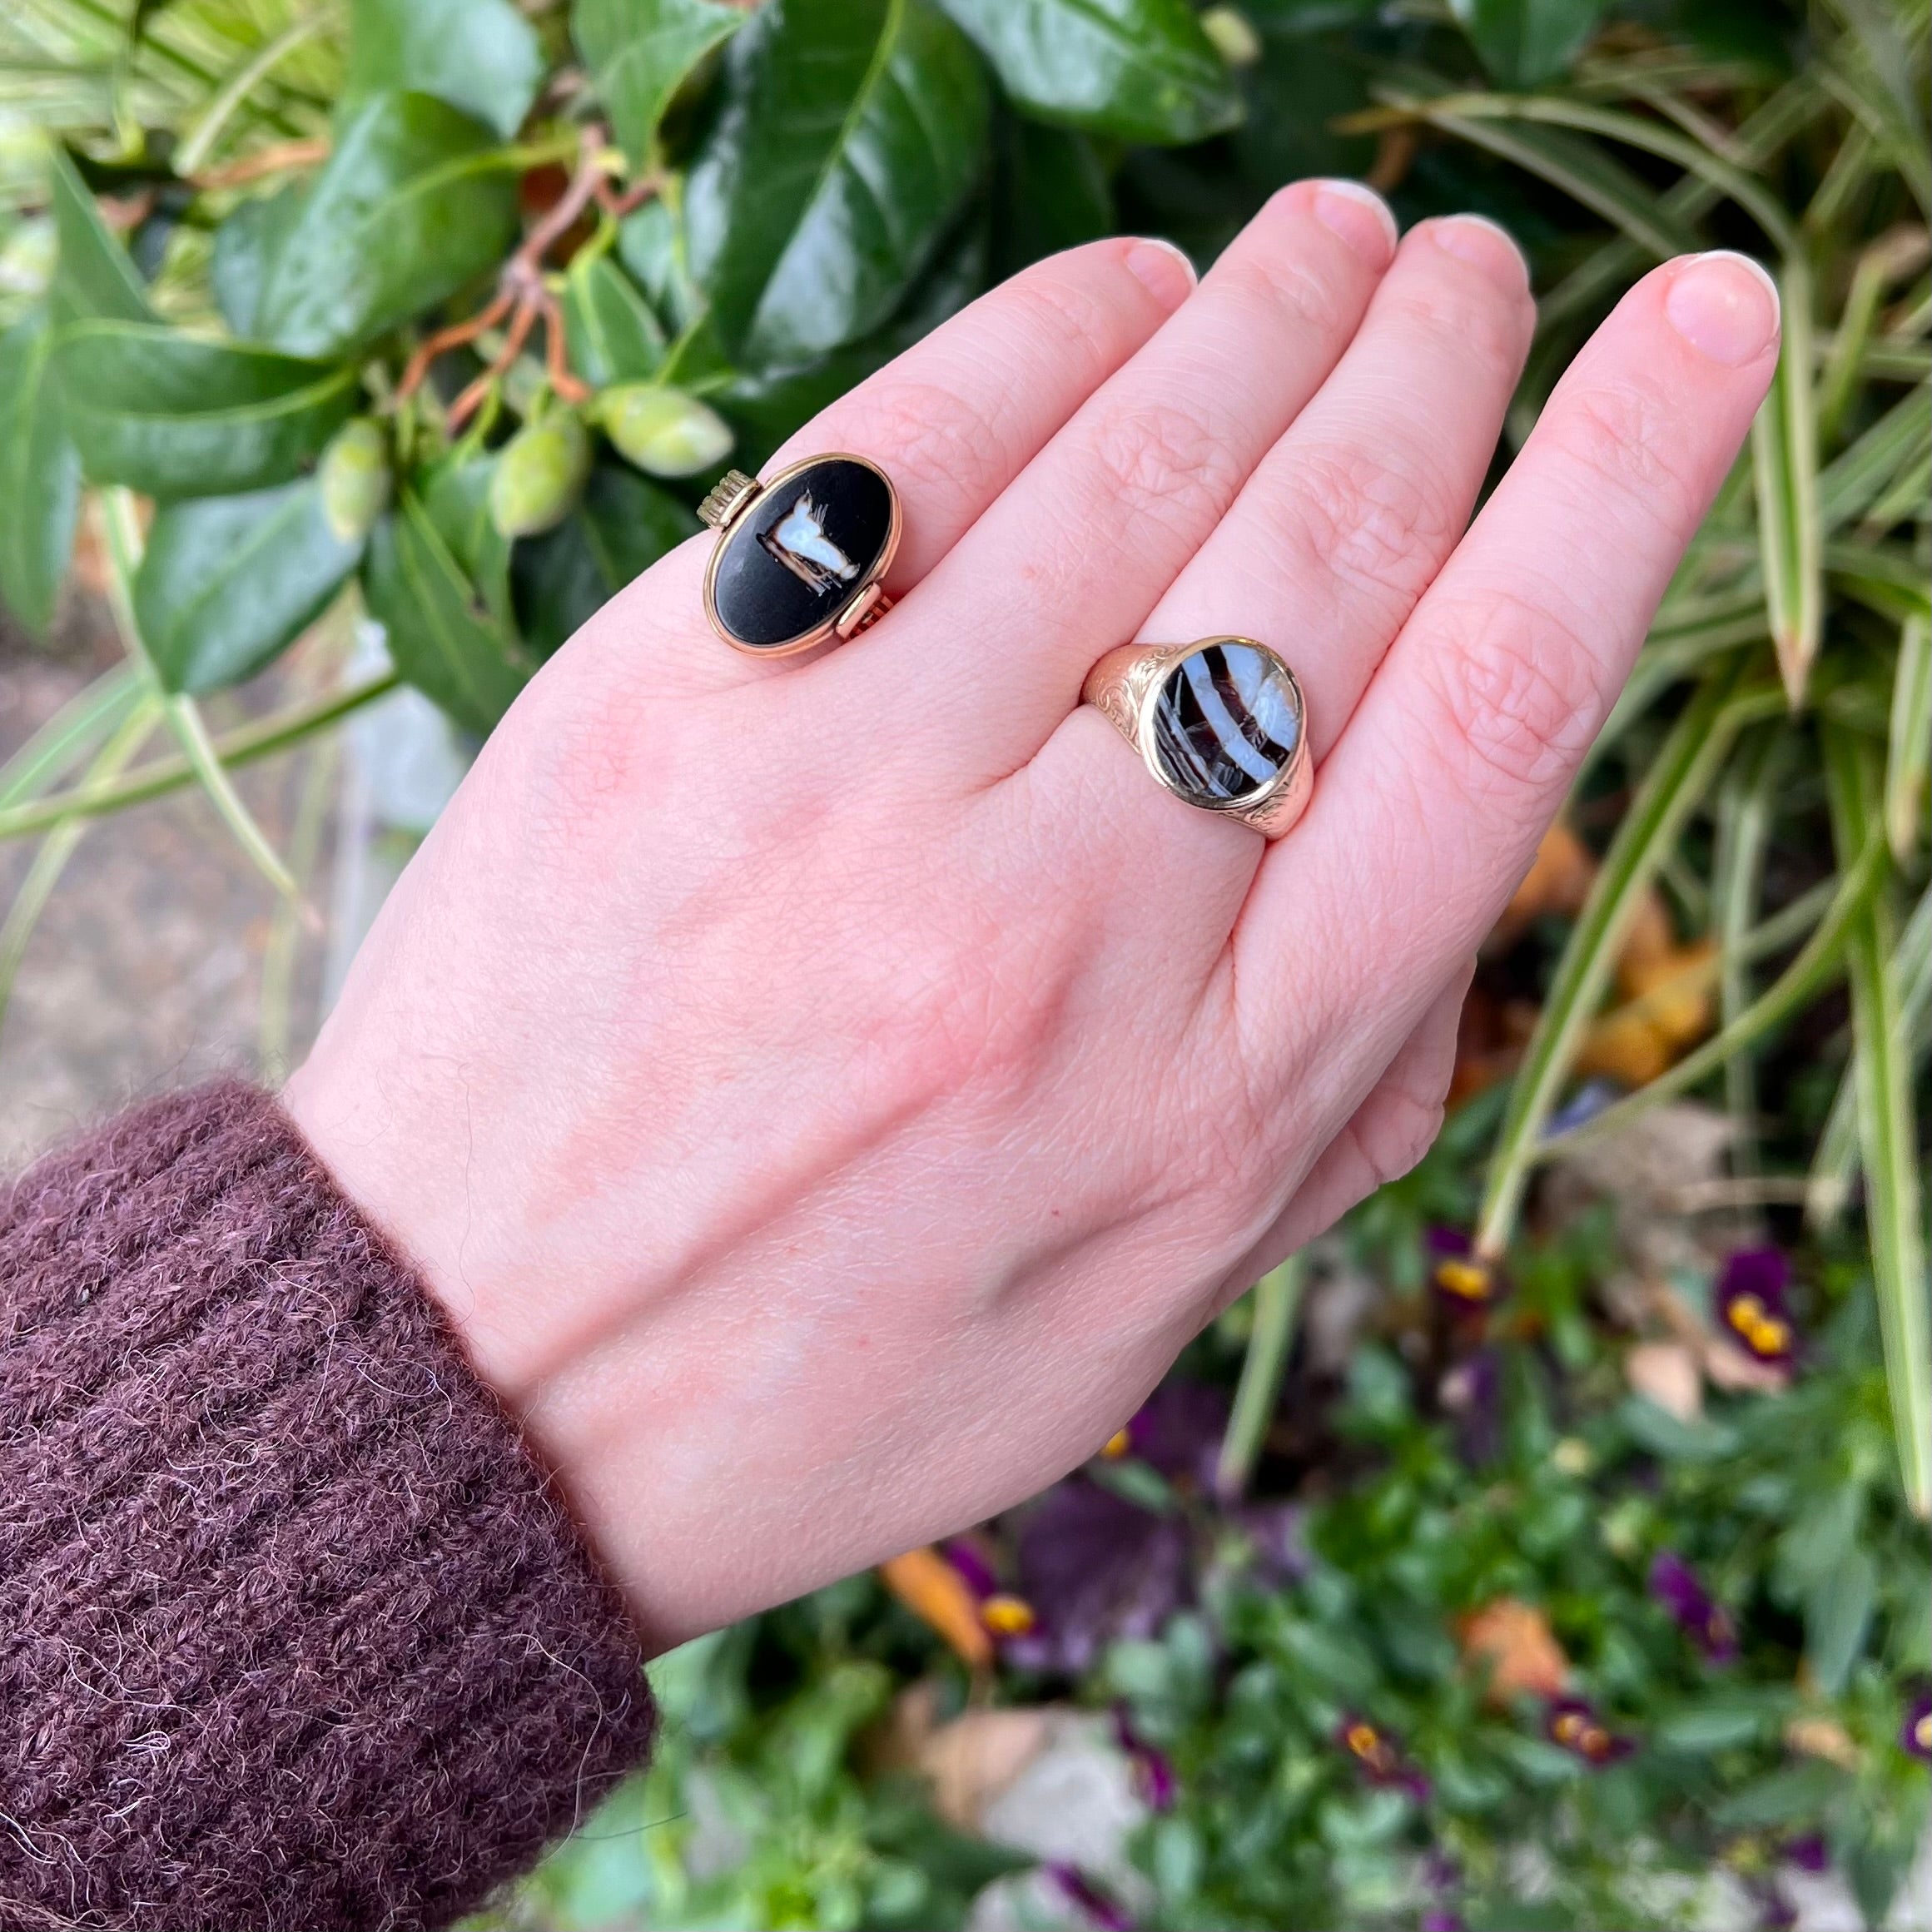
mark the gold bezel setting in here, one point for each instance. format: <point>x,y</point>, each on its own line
<point>724,508</point>
<point>1125,685</point>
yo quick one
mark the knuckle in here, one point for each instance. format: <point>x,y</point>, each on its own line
<point>1156,460</point>
<point>1621,439</point>
<point>1287,287</point>
<point>937,440</point>
<point>1488,328</point>
<point>1379,526</point>
<point>1515,688</point>
<point>1395,1129</point>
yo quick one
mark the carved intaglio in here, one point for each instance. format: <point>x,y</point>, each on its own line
<point>804,551</point>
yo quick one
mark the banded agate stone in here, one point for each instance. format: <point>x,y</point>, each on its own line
<point>1226,723</point>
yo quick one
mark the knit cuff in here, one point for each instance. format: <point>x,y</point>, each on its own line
<point>293,1632</point>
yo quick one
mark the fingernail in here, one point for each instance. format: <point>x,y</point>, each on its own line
<point>1724,305</point>
<point>1483,244</point>
<point>1360,217</point>
<point>1168,276</point>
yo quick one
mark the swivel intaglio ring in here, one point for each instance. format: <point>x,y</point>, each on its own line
<point>801,559</point>
<point>1220,722</point>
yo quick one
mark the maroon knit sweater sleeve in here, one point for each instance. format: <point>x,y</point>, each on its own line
<point>293,1633</point>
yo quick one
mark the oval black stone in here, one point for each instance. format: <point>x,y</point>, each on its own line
<point>1226,722</point>
<point>800,553</point>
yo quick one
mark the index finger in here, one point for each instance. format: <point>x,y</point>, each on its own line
<point>1428,811</point>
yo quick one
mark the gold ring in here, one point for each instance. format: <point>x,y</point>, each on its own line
<point>1220,722</point>
<point>800,559</point>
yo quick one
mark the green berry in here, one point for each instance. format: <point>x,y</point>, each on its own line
<point>354,476</point>
<point>663,431</point>
<point>539,475</point>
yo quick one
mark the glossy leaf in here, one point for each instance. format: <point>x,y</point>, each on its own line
<point>640,53</point>
<point>1053,192</point>
<point>173,415</point>
<point>1136,69</point>
<point>1784,450</point>
<point>227,582</point>
<point>245,245</point>
<point>1525,43</point>
<point>1887,1129</point>
<point>481,55</point>
<point>622,527</point>
<point>40,475</point>
<point>442,636</point>
<point>850,133</point>
<point>455,493</point>
<point>613,336</point>
<point>415,201</point>
<point>94,275</point>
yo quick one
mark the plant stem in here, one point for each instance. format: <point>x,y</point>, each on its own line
<point>1277,1302</point>
<point>274,733</point>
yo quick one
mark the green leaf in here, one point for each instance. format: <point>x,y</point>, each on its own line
<point>1714,1725</point>
<point>227,582</point>
<point>1137,70</point>
<point>442,636</point>
<point>1678,778</point>
<point>850,133</point>
<point>1909,759</point>
<point>614,336</point>
<point>173,415</point>
<point>245,245</point>
<point>1784,455</point>
<point>1277,1300</point>
<point>1052,192</point>
<point>1837,1615</point>
<point>40,475</point>
<point>481,55</point>
<point>456,495</point>
<point>415,201</point>
<point>94,275</point>
<point>1799,1792</point>
<point>640,53</point>
<point>1525,43</point>
<point>1887,1129</point>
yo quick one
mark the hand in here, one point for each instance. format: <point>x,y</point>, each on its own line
<point>826,1096</point>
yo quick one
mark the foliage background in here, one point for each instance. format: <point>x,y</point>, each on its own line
<point>448,311</point>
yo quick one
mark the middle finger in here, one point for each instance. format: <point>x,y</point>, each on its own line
<point>1075,554</point>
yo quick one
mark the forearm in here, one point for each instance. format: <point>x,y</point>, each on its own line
<point>293,1631</point>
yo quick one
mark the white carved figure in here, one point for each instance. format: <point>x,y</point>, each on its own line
<point>799,542</point>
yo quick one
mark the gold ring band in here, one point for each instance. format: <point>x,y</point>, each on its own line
<point>1220,722</point>
<point>801,559</point>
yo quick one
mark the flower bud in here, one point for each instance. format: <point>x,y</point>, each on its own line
<point>539,475</point>
<point>663,431</point>
<point>355,476</point>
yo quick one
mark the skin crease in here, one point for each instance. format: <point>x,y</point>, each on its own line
<point>825,1096</point>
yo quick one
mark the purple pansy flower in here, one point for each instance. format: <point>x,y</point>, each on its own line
<point>1380,1757</point>
<point>1275,1532</point>
<point>1179,1431</point>
<point>1752,1304</point>
<point>1461,1281</point>
<point>1471,1392</point>
<point>1574,1724</point>
<point>1094,1568</point>
<point>1915,1733</point>
<point>1153,1777</point>
<point>1077,1887</point>
<point>1810,1853</point>
<point>970,1560</point>
<point>1675,1585</point>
